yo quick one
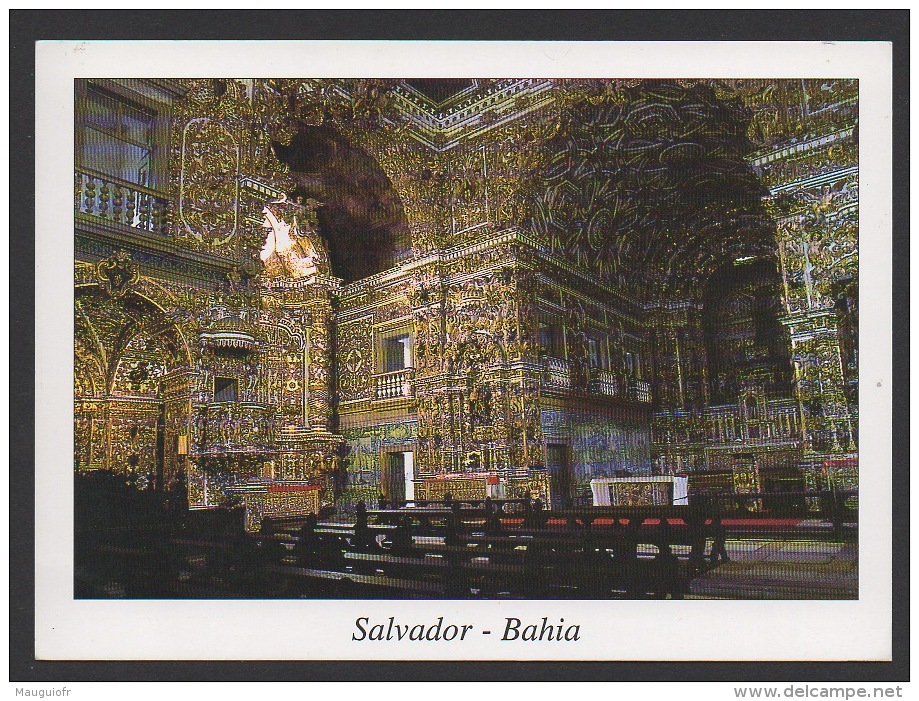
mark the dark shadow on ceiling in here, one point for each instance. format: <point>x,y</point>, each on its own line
<point>361,216</point>
<point>652,190</point>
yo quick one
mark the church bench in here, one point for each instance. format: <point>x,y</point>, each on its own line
<point>662,527</point>
<point>531,565</point>
<point>675,526</point>
<point>699,547</point>
<point>597,552</point>
<point>502,506</point>
<point>308,582</point>
<point>565,578</point>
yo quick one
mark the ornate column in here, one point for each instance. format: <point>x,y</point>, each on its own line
<point>525,434</point>
<point>692,359</point>
<point>318,320</point>
<point>678,427</point>
<point>819,381</point>
<point>812,271</point>
<point>310,448</point>
<point>668,355</point>
<point>178,392</point>
<point>428,298</point>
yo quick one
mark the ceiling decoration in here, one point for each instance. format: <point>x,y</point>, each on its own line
<point>650,188</point>
<point>467,113</point>
<point>652,184</point>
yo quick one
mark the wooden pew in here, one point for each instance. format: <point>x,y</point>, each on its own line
<point>661,527</point>
<point>468,549</point>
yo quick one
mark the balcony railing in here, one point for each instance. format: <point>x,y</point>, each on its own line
<point>730,424</point>
<point>119,202</point>
<point>556,372</point>
<point>390,385</point>
<point>606,383</point>
<point>640,391</point>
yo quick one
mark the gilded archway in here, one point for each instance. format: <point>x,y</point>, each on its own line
<point>127,354</point>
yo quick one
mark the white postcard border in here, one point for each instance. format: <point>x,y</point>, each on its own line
<point>320,630</point>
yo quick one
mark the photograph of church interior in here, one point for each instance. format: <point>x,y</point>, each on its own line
<point>601,334</point>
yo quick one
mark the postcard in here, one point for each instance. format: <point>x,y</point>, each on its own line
<point>463,351</point>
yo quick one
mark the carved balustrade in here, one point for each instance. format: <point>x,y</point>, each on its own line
<point>391,385</point>
<point>730,424</point>
<point>556,372</point>
<point>640,391</point>
<point>606,383</point>
<point>119,202</point>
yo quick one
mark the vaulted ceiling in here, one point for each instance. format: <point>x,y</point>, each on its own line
<point>653,191</point>
<point>649,184</point>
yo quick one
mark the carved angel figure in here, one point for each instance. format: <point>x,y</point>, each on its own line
<point>287,252</point>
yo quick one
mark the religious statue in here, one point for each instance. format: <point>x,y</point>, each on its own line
<point>288,252</point>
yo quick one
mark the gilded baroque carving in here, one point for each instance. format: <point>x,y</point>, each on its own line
<point>578,204</point>
<point>355,359</point>
<point>118,274</point>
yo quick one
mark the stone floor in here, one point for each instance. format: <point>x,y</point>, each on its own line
<point>782,569</point>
